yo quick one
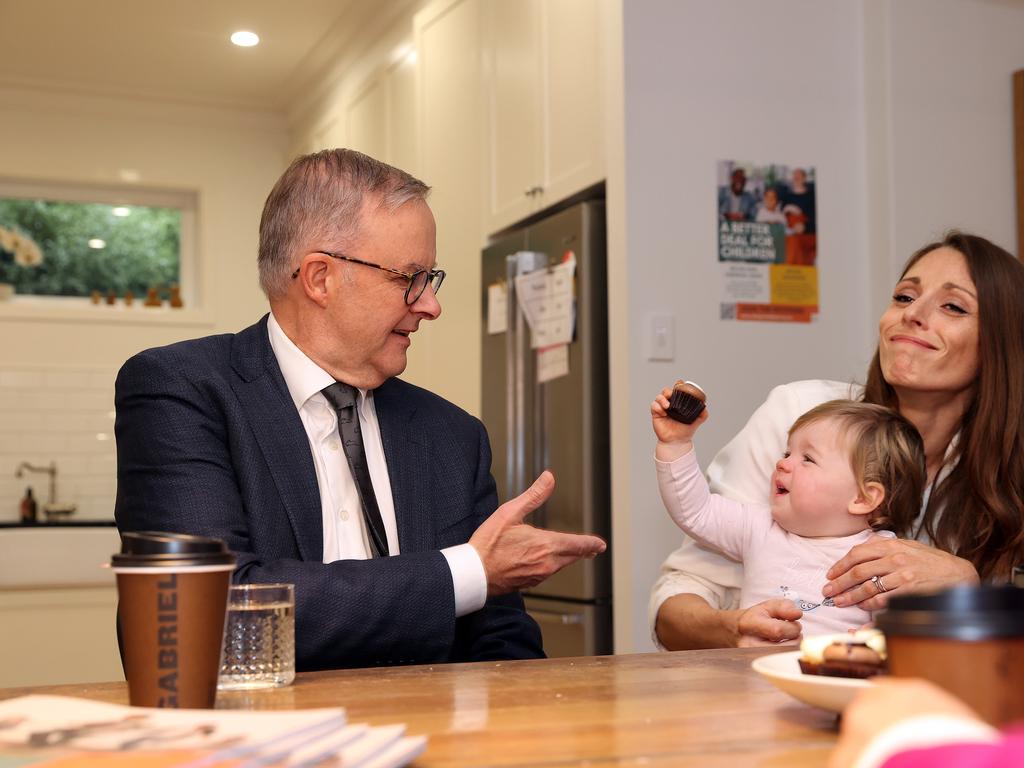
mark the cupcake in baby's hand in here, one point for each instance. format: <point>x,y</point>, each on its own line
<point>853,654</point>
<point>687,402</point>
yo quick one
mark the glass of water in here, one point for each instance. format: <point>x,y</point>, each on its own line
<point>259,637</point>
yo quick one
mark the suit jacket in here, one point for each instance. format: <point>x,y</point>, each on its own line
<point>210,443</point>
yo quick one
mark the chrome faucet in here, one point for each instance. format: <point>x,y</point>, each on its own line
<point>51,470</point>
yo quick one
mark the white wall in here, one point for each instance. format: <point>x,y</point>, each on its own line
<point>904,108</point>
<point>952,119</point>
<point>229,158</point>
<point>368,102</point>
<point>940,125</point>
<point>750,81</point>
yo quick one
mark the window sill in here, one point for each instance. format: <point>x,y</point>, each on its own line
<point>65,310</point>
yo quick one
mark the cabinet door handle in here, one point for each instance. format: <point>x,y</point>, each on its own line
<point>531,191</point>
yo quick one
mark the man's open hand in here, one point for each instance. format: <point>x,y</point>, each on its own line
<point>518,556</point>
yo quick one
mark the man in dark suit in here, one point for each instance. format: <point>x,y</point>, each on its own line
<point>234,436</point>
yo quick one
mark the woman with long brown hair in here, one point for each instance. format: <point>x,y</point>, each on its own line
<point>950,359</point>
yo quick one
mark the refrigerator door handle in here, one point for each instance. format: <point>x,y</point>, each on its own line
<point>517,347</point>
<point>513,432</point>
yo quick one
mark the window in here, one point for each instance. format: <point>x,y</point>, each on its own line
<point>77,242</point>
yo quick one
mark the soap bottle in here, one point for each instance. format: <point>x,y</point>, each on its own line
<point>28,507</point>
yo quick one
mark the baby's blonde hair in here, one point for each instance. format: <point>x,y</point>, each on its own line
<point>885,448</point>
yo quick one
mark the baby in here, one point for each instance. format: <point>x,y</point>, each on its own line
<point>849,469</point>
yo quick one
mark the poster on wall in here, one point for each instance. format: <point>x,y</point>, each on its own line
<point>767,242</point>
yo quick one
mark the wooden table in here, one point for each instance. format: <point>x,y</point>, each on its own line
<point>700,708</point>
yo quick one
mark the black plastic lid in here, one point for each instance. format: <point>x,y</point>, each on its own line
<point>149,549</point>
<point>961,613</point>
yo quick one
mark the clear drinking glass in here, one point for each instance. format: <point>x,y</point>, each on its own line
<point>259,637</point>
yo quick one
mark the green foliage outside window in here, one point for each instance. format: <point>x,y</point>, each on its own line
<point>140,250</point>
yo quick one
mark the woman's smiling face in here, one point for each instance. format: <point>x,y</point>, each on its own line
<point>928,337</point>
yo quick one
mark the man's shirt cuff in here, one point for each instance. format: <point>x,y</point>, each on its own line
<point>468,577</point>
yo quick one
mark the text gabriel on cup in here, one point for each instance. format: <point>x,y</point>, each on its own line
<point>167,638</point>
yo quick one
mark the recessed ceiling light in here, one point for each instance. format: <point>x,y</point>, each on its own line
<point>121,211</point>
<point>244,38</point>
<point>97,243</point>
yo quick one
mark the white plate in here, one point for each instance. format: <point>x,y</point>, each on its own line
<point>832,693</point>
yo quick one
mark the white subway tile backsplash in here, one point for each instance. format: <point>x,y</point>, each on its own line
<point>43,401</point>
<point>18,421</point>
<point>102,465</point>
<point>67,380</point>
<point>103,380</point>
<point>21,378</point>
<point>44,444</point>
<point>54,414</point>
<point>91,399</point>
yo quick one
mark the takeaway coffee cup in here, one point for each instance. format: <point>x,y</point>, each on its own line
<point>968,640</point>
<point>172,599</point>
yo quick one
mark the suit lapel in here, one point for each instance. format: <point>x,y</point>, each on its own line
<point>269,409</point>
<point>405,451</point>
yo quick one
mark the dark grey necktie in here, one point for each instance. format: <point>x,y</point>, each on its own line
<point>343,398</point>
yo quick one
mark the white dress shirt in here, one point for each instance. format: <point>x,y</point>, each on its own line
<point>345,534</point>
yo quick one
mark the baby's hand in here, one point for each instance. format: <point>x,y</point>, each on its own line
<point>669,431</point>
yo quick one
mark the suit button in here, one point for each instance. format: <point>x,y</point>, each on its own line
<point>344,515</point>
<point>333,445</point>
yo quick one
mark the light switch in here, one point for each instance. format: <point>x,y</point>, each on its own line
<point>661,337</point>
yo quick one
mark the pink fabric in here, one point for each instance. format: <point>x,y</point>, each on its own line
<point>1008,753</point>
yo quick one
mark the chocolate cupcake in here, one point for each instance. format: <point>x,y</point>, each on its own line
<point>861,654</point>
<point>687,402</point>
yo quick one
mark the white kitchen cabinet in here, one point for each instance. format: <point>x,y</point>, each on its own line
<point>543,64</point>
<point>381,116</point>
<point>446,354</point>
<point>57,606</point>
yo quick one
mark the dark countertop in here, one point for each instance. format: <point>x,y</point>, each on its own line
<point>59,524</point>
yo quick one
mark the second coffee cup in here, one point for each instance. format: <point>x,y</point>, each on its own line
<point>172,600</point>
<point>968,640</point>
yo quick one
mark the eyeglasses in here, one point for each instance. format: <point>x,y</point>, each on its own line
<point>418,280</point>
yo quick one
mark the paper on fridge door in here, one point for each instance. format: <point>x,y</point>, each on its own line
<point>545,296</point>
<point>497,308</point>
<point>552,363</point>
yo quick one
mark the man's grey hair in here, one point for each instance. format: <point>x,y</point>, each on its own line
<point>321,196</point>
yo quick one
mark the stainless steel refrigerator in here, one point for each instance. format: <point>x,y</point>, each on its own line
<point>560,424</point>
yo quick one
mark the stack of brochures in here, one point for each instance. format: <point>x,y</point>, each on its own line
<point>77,733</point>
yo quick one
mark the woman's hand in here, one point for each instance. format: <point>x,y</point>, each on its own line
<point>901,567</point>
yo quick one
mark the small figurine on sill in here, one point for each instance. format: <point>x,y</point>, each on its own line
<point>153,298</point>
<point>176,300</point>
<point>129,298</point>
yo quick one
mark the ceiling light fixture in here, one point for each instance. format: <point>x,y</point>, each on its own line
<point>97,243</point>
<point>244,38</point>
